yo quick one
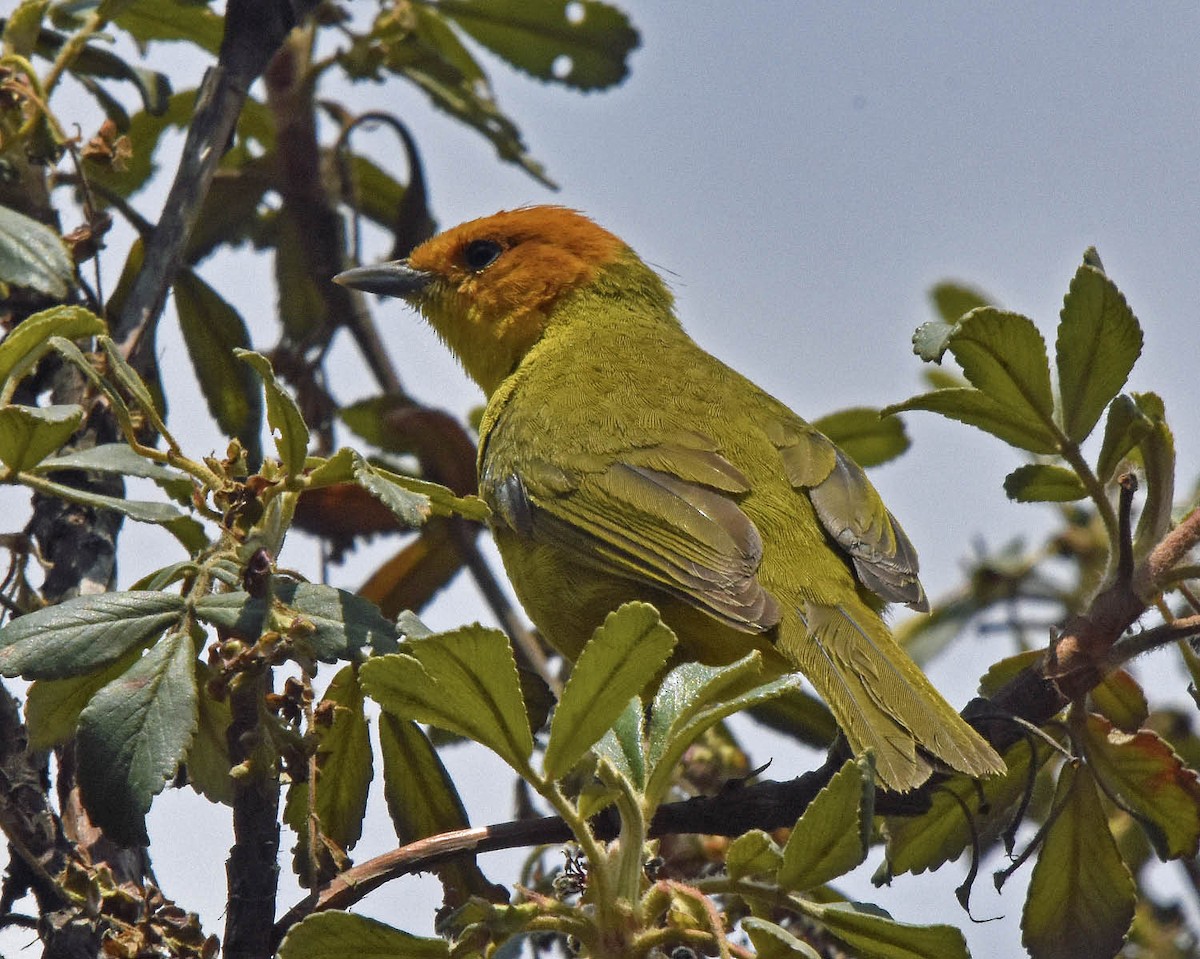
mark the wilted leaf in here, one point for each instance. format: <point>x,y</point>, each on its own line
<point>865,435</point>
<point>34,256</point>
<point>1141,773</point>
<point>623,655</point>
<point>1081,897</point>
<point>133,735</point>
<point>336,935</point>
<point>832,835</point>
<point>1099,340</point>
<point>28,434</point>
<point>1044,483</point>
<point>85,633</point>
<point>463,681</point>
<point>411,578</point>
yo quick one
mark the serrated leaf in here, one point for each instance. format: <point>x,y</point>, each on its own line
<point>53,706</point>
<point>931,339</point>
<point>623,655</point>
<point>421,798</point>
<point>1121,701</point>
<point>344,766</point>
<point>25,345</point>
<point>338,624</point>
<point>288,428</point>
<point>865,435</point>
<point>874,936</point>
<point>85,633</point>
<point>690,700</point>
<point>1124,427</point>
<point>34,256</point>
<point>213,330</point>
<point>1044,483</point>
<point>411,509</point>
<point>774,942</point>
<point>463,681</point>
<point>28,434</point>
<point>953,301</point>
<point>831,837</point>
<point>436,498</point>
<point>1081,897</point>
<point>1099,340</point>
<point>208,763</point>
<point>22,26</point>
<point>1011,424</point>
<point>335,935</point>
<point>1003,355</point>
<point>753,853</point>
<point>536,35</point>
<point>133,735</point>
<point>143,511</point>
<point>919,843</point>
<point>624,744</point>
<point>1141,773</point>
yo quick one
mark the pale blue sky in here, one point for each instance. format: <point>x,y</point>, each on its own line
<point>805,172</point>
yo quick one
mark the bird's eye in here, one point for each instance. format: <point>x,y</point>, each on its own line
<point>481,254</point>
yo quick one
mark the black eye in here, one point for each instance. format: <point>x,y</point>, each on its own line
<point>481,254</point>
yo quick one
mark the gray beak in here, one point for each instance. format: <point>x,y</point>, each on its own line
<point>396,278</point>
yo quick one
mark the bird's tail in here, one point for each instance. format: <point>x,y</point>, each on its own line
<point>880,698</point>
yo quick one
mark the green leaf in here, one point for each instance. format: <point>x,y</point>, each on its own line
<point>800,715</point>
<point>753,853</point>
<point>335,935</point>
<point>874,936</point>
<point>142,511</point>
<point>337,624</point>
<point>692,698</point>
<point>774,942</point>
<point>624,744</point>
<point>834,832</point>
<point>21,29</point>
<point>344,767</point>
<point>93,61</point>
<point>85,633</point>
<point>133,735</point>
<point>953,301</point>
<point>1156,450</point>
<point>463,681</point>
<point>1121,701</point>
<point>33,256</point>
<point>53,706</point>
<point>1081,897</point>
<point>25,345</point>
<point>171,20</point>
<point>213,330</point>
<point>421,798</point>
<point>131,381</point>
<point>208,763</point>
<point>1003,355</point>
<point>624,654</point>
<point>1141,774</point>
<point>407,496</point>
<point>28,434</point>
<point>1099,340</point>
<point>1010,423</point>
<point>411,509</point>
<point>121,458</point>
<point>1044,483</point>
<point>865,435</point>
<point>583,44</point>
<point>288,428</point>
<point>1124,428</point>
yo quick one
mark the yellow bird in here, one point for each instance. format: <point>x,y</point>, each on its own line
<point>621,461</point>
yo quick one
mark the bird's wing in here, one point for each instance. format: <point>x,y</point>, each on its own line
<point>851,511</point>
<point>666,514</point>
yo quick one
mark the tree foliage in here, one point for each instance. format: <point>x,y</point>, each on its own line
<point>226,671</point>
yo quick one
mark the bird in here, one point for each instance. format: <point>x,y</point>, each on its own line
<point>623,462</point>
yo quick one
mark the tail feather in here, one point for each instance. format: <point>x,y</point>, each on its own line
<point>880,697</point>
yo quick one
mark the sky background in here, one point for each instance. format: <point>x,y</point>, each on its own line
<point>803,174</point>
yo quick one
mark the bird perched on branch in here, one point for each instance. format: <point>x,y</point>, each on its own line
<point>623,462</point>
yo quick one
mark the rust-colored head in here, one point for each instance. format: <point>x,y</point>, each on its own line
<point>489,286</point>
